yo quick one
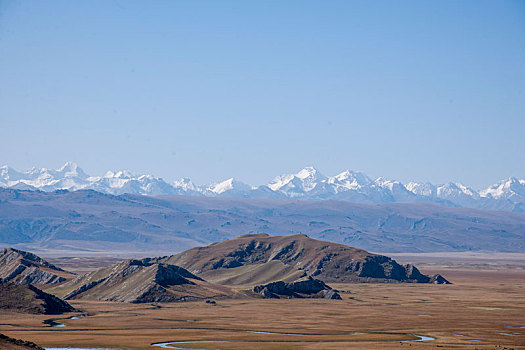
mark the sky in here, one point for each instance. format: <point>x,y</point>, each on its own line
<point>410,90</point>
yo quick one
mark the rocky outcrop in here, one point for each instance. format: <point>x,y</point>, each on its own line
<point>382,267</point>
<point>22,267</point>
<point>29,299</point>
<point>438,279</point>
<point>12,343</point>
<point>140,281</point>
<point>308,288</point>
<point>326,261</point>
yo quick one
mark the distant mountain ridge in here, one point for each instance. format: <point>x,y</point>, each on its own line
<point>88,222</point>
<point>308,184</point>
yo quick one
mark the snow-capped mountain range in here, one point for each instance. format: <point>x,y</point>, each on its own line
<point>307,184</point>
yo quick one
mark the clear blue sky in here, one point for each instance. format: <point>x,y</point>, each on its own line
<point>411,90</point>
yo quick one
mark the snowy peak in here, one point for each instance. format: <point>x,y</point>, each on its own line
<point>9,174</point>
<point>122,174</point>
<point>71,177</point>
<point>70,169</point>
<point>303,181</point>
<point>280,181</point>
<point>386,183</point>
<point>506,189</point>
<point>422,189</point>
<point>349,181</point>
<point>390,185</point>
<point>228,185</point>
<point>68,166</point>
<point>351,178</point>
<point>310,173</point>
<point>185,184</point>
<point>45,179</point>
<point>310,177</point>
<point>396,190</point>
<point>308,184</point>
<point>455,189</point>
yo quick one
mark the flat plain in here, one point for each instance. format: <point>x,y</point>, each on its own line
<point>484,308</point>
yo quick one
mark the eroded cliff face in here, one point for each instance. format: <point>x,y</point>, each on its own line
<point>22,267</point>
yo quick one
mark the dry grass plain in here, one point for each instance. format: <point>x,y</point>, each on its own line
<point>483,309</point>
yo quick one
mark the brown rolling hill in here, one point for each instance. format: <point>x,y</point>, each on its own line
<point>260,258</point>
<point>22,267</point>
<point>140,281</point>
<point>26,298</point>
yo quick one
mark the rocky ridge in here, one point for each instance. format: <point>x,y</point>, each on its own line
<point>139,281</point>
<point>22,267</point>
<point>327,261</point>
<point>27,298</point>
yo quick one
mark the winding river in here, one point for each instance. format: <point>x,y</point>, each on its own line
<point>179,345</point>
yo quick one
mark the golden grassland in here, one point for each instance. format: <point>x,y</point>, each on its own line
<point>481,304</point>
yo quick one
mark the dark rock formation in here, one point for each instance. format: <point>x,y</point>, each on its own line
<point>382,267</point>
<point>308,288</point>
<point>30,299</point>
